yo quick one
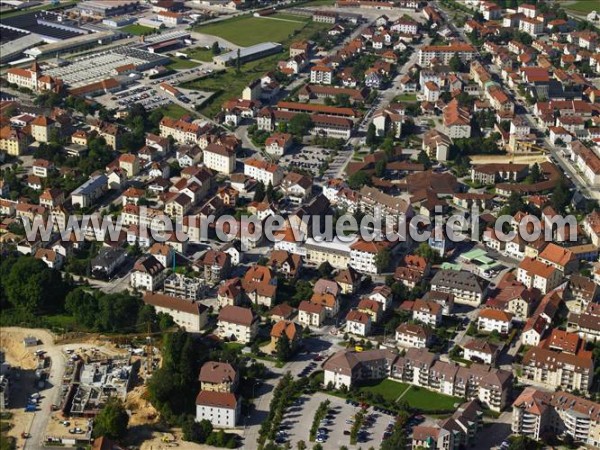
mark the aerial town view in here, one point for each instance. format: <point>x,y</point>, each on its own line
<point>299,224</point>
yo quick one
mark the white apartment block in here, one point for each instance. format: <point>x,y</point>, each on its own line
<point>263,171</point>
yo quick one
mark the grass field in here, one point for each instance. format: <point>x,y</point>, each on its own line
<point>246,30</point>
<point>430,401</point>
<point>582,6</point>
<point>229,84</point>
<point>416,397</point>
<point>292,17</point>
<point>136,29</point>
<point>180,63</point>
<point>406,98</point>
<point>390,390</point>
<point>175,111</point>
<point>318,3</point>
<point>200,54</point>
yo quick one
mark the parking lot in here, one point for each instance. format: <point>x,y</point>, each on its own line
<point>307,158</point>
<point>298,419</point>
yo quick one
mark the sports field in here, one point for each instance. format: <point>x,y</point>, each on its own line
<point>247,30</point>
<point>582,6</point>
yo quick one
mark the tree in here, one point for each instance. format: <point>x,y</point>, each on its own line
<point>325,270</point>
<point>371,138</point>
<point>283,348</point>
<point>259,192</point>
<point>456,64</point>
<point>425,251</point>
<point>423,158</point>
<point>216,49</point>
<point>342,100</point>
<point>270,192</point>
<point>196,431</point>
<point>300,124</point>
<point>112,420</point>
<point>380,167</point>
<point>382,259</point>
<point>31,287</point>
<point>523,443</point>
<point>561,196</point>
<point>358,180</point>
<point>238,62</point>
<point>535,174</point>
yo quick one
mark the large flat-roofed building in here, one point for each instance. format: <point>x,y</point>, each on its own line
<point>248,54</point>
<point>107,8</point>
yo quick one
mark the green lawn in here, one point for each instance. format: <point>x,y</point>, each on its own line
<point>425,400</point>
<point>136,29</point>
<point>200,54</point>
<point>180,63</point>
<point>406,98</point>
<point>390,390</point>
<point>292,17</point>
<point>582,6</point>
<point>175,111</point>
<point>247,30</point>
<point>417,398</point>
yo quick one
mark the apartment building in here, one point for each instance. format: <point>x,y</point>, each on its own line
<point>321,74</point>
<point>457,121</point>
<point>336,252</point>
<point>147,274</point>
<point>490,320</point>
<point>220,158</point>
<point>188,314</point>
<point>222,409</point>
<point>311,314</point>
<point>413,336</point>
<point>444,53</point>
<point>178,285</point>
<point>553,369</point>
<point>218,376</point>
<point>581,291</point>
<point>363,255</point>
<point>536,412</point>
<point>480,351</point>
<point>358,323</point>
<point>587,323</point>
<point>467,288</point>
<point>237,323</point>
<point>533,27</point>
<point>534,273</point>
<point>345,367</point>
<point>427,312</point>
<point>422,368</point>
<point>263,171</point>
<point>183,132</point>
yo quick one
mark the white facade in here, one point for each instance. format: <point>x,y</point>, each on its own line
<point>242,333</point>
<point>262,171</point>
<point>219,162</point>
<point>220,417</point>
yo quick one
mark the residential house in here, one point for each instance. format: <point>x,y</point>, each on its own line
<point>218,376</point>
<point>188,314</point>
<point>237,323</point>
